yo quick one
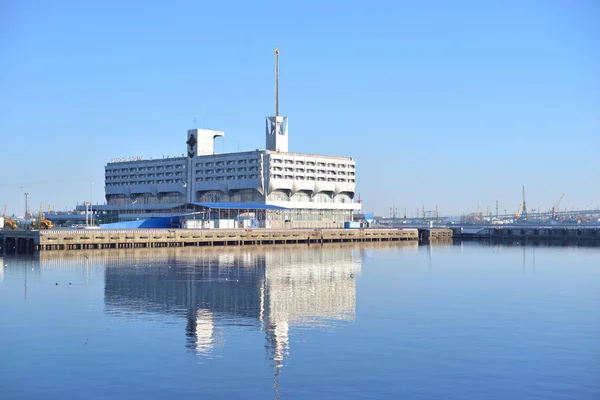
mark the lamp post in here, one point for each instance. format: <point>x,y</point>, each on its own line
<point>91,213</point>
<point>26,207</point>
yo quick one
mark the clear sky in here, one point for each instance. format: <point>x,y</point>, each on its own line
<point>448,103</point>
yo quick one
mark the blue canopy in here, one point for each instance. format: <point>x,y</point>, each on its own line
<point>239,206</point>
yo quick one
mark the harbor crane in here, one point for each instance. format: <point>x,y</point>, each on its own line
<point>555,207</point>
<point>9,223</point>
<point>518,214</point>
<point>523,205</point>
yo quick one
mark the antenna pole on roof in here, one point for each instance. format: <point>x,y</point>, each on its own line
<point>276,81</point>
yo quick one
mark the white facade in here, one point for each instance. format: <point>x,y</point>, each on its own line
<point>314,188</point>
<point>290,180</point>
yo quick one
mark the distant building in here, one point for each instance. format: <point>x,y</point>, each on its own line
<point>273,187</point>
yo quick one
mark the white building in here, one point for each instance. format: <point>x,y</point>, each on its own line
<point>289,189</point>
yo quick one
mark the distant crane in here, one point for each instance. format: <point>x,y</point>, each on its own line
<point>524,205</point>
<point>519,211</point>
<point>555,207</point>
<point>8,221</point>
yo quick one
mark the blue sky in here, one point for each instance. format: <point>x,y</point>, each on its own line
<point>454,104</point>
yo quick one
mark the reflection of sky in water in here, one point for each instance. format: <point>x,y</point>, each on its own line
<point>339,321</point>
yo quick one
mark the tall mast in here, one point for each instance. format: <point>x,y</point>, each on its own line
<point>276,81</point>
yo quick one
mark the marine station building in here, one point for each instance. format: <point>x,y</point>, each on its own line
<point>270,188</point>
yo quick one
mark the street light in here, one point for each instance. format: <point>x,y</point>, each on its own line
<point>26,208</point>
<point>91,213</point>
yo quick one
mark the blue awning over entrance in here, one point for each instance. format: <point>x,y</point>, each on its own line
<point>239,206</point>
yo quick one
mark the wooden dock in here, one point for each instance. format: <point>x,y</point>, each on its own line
<point>29,241</point>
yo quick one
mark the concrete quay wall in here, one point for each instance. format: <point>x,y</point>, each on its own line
<point>554,233</point>
<point>56,239</point>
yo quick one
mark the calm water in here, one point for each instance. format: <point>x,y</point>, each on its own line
<point>374,321</point>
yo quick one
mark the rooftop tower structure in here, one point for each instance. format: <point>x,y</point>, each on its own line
<point>277,126</point>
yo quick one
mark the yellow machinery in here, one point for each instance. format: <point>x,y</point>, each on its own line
<point>41,222</point>
<point>555,207</point>
<point>9,223</point>
<point>518,214</point>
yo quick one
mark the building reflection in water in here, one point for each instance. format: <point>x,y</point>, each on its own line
<point>269,288</point>
<point>266,287</point>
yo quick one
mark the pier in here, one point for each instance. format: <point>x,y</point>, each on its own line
<point>29,241</point>
<point>542,233</point>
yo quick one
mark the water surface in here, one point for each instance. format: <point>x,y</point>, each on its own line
<point>344,321</point>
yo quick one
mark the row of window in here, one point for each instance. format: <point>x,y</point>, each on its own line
<point>141,176</point>
<point>151,182</point>
<point>228,178</point>
<point>312,178</point>
<point>228,162</point>
<point>311,163</point>
<point>228,170</point>
<point>312,171</point>
<point>149,168</point>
